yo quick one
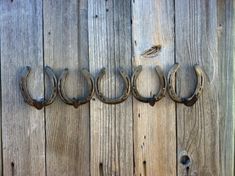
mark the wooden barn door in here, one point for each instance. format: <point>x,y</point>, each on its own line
<point>131,138</point>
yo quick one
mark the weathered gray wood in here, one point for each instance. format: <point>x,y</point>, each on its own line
<point>226,82</point>
<point>205,131</point>
<point>154,127</point>
<point>111,125</point>
<point>22,125</point>
<point>67,128</point>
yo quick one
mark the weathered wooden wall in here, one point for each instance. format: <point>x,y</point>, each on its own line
<point>132,138</point>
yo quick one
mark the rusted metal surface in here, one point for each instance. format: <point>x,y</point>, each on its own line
<point>126,91</point>
<point>39,104</point>
<point>156,97</point>
<point>75,101</point>
<point>188,101</point>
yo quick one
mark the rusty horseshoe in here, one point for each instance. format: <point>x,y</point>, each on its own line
<point>156,97</point>
<point>78,100</point>
<point>190,101</point>
<point>126,90</point>
<point>39,104</point>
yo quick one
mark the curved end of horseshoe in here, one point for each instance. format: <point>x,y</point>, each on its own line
<point>171,81</point>
<point>200,85</point>
<point>171,74</point>
<point>127,82</point>
<point>53,81</point>
<point>100,75</point>
<point>91,84</point>
<point>61,89</point>
<point>163,83</point>
<point>23,86</point>
<point>135,75</point>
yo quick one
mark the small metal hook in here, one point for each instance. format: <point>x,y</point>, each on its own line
<point>39,104</point>
<point>78,100</point>
<point>156,97</point>
<point>126,90</point>
<point>190,101</point>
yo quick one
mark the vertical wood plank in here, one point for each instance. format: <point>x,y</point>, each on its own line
<point>154,127</point>
<point>109,24</point>
<point>205,131</point>
<point>226,40</point>
<point>67,128</point>
<point>22,125</point>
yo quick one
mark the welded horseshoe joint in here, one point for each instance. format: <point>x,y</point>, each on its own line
<point>76,102</point>
<point>39,104</point>
<point>126,91</point>
<point>156,97</point>
<point>190,101</point>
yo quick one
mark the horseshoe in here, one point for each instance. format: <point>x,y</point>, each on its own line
<point>190,101</point>
<point>39,104</point>
<point>126,90</point>
<point>78,100</point>
<point>156,97</point>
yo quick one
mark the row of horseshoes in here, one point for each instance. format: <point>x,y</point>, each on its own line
<point>59,86</point>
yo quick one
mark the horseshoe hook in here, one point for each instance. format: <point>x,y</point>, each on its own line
<point>78,100</point>
<point>156,97</point>
<point>39,104</point>
<point>126,90</point>
<point>190,101</point>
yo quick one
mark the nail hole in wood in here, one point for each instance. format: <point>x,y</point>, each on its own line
<point>12,168</point>
<point>185,160</point>
<point>145,169</point>
<point>101,169</point>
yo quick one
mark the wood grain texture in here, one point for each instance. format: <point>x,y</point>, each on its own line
<point>67,128</point>
<point>154,127</point>
<point>205,131</point>
<point>226,39</point>
<point>111,125</point>
<point>22,125</point>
